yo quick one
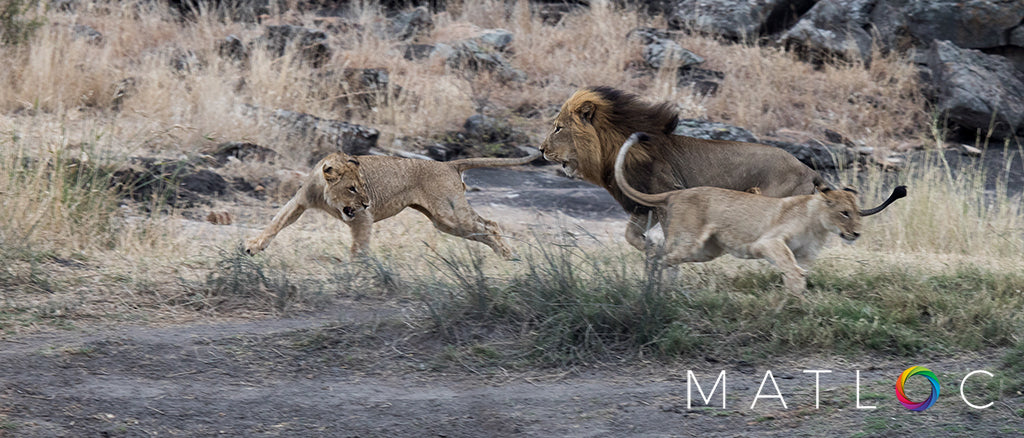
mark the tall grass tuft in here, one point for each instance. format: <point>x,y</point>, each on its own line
<point>239,281</point>
<point>56,202</point>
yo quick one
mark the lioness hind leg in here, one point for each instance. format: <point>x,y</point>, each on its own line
<point>459,219</point>
<point>636,230</point>
<point>284,217</point>
<point>776,252</point>
<point>685,247</point>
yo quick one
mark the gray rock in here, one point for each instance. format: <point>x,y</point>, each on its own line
<point>413,52</point>
<point>660,48</point>
<point>736,20</point>
<point>817,155</point>
<point>833,27</point>
<point>703,81</point>
<point>973,24</point>
<point>974,89</point>
<point>1017,36</point>
<point>410,24</point>
<point>713,131</point>
<point>317,137</point>
<point>311,44</point>
<point>174,184</point>
<point>470,56</point>
<point>840,26</point>
<point>495,39</point>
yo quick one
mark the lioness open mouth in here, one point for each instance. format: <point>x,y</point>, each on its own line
<point>349,212</point>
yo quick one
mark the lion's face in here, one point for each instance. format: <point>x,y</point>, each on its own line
<point>573,125</point>
<point>843,216</point>
<point>344,188</point>
<point>559,146</point>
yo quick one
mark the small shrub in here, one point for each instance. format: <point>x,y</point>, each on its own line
<point>242,281</point>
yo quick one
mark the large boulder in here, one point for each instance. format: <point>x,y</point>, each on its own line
<point>659,49</point>
<point>839,26</point>
<point>737,20</point>
<point>834,27</point>
<point>974,90</point>
<point>972,24</point>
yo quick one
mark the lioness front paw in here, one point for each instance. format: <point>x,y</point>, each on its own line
<point>254,246</point>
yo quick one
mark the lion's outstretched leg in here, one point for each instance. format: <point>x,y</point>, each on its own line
<point>687,247</point>
<point>361,227</point>
<point>284,217</point>
<point>459,219</point>
<point>776,252</point>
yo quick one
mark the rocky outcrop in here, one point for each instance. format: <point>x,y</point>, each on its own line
<point>168,183</point>
<point>976,91</point>
<point>736,20</point>
<point>481,136</point>
<point>845,26</point>
<point>660,51</point>
<point>484,52</point>
<point>315,137</point>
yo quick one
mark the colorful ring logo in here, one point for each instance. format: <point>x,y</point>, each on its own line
<point>913,371</point>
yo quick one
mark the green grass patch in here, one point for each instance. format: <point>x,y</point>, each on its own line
<point>569,304</point>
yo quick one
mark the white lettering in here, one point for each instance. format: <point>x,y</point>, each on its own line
<point>692,379</point>
<point>962,388</point>
<point>817,384</point>
<point>858,394</point>
<point>778,393</point>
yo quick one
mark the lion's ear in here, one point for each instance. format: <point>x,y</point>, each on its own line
<point>331,173</point>
<point>586,111</point>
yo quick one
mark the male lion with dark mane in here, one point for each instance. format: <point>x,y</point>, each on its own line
<point>594,123</point>
<point>361,190</point>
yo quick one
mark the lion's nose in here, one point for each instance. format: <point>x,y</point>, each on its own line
<point>855,234</point>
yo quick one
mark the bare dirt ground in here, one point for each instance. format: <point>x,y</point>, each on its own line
<point>350,370</point>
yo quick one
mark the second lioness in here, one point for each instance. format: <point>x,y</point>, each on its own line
<point>390,184</point>
<point>702,223</point>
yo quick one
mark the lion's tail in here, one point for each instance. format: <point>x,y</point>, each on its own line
<point>470,163</point>
<point>647,199</point>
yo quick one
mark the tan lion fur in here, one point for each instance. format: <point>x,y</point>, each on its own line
<point>594,122</point>
<point>702,223</point>
<point>390,185</point>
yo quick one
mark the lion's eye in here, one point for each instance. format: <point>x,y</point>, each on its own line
<point>557,129</point>
<point>352,189</point>
<point>845,214</point>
